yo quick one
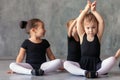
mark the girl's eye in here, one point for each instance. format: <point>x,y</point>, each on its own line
<point>87,27</point>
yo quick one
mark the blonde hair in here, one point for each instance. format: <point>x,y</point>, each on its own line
<point>70,22</point>
<point>89,17</point>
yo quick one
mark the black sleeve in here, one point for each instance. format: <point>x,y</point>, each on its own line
<point>24,44</point>
<point>47,44</point>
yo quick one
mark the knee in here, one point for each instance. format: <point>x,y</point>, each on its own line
<point>112,58</point>
<point>65,64</point>
<point>11,65</point>
<point>58,61</point>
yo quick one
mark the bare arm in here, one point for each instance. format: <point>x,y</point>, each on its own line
<point>80,28</point>
<point>50,54</point>
<point>21,55</point>
<point>71,27</point>
<point>19,59</point>
<point>100,20</point>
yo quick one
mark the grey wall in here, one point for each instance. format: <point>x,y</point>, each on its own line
<point>55,14</point>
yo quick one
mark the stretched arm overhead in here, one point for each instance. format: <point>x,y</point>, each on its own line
<point>99,18</point>
<point>71,27</point>
<point>71,24</point>
<point>80,28</point>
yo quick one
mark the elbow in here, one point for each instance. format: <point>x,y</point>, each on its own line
<point>101,21</point>
<point>19,59</point>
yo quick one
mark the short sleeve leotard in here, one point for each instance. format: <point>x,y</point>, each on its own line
<point>35,52</point>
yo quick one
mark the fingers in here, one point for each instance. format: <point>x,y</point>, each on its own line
<point>90,5</point>
<point>93,4</point>
<point>10,72</point>
<point>88,2</point>
<point>80,10</point>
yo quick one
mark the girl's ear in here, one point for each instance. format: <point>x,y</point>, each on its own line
<point>33,30</point>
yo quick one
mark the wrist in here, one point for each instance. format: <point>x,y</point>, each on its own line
<point>85,10</point>
<point>93,11</point>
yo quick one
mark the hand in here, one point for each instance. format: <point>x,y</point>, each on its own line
<point>81,10</point>
<point>93,6</point>
<point>10,72</point>
<point>87,7</point>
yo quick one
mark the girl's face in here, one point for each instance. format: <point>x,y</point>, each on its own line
<point>90,28</point>
<point>40,30</point>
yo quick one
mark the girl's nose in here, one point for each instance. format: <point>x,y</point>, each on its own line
<point>90,30</point>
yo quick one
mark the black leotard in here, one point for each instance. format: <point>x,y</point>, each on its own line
<point>74,51</point>
<point>90,54</point>
<point>35,52</point>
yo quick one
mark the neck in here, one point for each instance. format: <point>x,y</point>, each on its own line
<point>35,39</point>
<point>90,38</point>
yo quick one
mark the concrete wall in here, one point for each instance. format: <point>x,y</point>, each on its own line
<point>55,14</point>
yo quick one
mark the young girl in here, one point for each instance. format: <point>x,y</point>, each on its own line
<point>90,26</point>
<point>73,41</point>
<point>35,49</point>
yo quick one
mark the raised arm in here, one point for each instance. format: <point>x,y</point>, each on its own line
<point>80,28</point>
<point>70,27</point>
<point>100,20</point>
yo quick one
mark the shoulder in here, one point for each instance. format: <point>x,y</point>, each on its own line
<point>45,42</point>
<point>25,43</point>
<point>26,40</point>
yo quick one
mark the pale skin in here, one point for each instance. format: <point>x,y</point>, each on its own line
<point>72,30</point>
<point>91,28</point>
<point>35,36</point>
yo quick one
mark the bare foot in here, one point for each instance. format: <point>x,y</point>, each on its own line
<point>61,69</point>
<point>10,72</point>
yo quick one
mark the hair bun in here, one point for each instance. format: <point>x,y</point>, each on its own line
<point>23,24</point>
